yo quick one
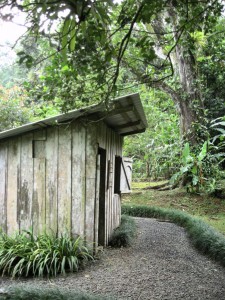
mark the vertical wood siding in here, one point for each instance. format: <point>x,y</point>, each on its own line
<point>78,179</point>
<point>3,180</point>
<point>13,185</point>
<point>112,143</point>
<point>39,200</point>
<point>39,190</point>
<point>64,180</point>
<point>49,180</point>
<point>91,157</point>
<point>25,198</point>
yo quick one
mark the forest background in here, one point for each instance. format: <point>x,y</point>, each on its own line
<point>77,53</point>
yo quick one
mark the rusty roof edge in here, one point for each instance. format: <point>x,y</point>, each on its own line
<point>72,115</point>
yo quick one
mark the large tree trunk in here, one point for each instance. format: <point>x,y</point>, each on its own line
<point>186,97</point>
<point>185,93</point>
<point>190,101</point>
<point>185,109</point>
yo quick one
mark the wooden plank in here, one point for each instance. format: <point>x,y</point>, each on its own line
<point>108,188</point>
<point>101,135</point>
<point>91,153</point>
<point>13,184</point>
<point>97,194</point>
<point>39,149</point>
<point>78,179</point>
<point>39,205</point>
<point>3,183</point>
<point>102,197</point>
<point>51,179</point>
<point>26,182</point>
<point>64,180</point>
<point>40,135</point>
<point>119,147</point>
<point>112,142</point>
<point>112,208</point>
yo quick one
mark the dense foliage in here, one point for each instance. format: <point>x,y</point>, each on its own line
<point>13,111</point>
<point>156,152</point>
<point>43,255</point>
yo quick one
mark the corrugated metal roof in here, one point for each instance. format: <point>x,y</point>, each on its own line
<point>125,117</point>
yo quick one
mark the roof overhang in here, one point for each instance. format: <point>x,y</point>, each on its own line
<point>126,116</point>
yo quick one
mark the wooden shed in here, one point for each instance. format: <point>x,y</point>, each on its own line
<point>62,174</point>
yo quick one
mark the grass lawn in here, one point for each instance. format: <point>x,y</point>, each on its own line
<point>208,208</point>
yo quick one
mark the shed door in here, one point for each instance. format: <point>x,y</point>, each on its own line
<point>102,191</point>
<point>126,175</point>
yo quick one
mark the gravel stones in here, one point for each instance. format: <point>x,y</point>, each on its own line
<point>161,264</point>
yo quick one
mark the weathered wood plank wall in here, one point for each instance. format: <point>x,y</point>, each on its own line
<point>91,157</point>
<point>78,179</point>
<point>13,184</point>
<point>112,143</point>
<point>64,180</point>
<point>49,180</point>
<point>51,200</point>
<point>25,202</point>
<point>39,191</point>
<point>3,179</point>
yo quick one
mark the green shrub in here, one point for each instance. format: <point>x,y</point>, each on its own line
<point>24,292</point>
<point>123,235</point>
<point>25,254</point>
<point>205,238</point>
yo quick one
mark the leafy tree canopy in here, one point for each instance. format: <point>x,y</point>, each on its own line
<point>90,39</point>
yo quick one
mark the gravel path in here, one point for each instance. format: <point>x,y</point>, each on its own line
<point>161,264</point>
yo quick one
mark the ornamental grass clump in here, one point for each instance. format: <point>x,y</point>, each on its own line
<point>124,234</point>
<point>27,292</point>
<point>43,255</point>
<point>205,238</point>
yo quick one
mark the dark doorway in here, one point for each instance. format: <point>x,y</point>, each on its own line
<point>117,174</point>
<point>102,190</point>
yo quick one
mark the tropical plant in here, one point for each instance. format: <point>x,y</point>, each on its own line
<point>200,170</point>
<point>218,127</point>
<point>43,255</point>
<point>192,168</point>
